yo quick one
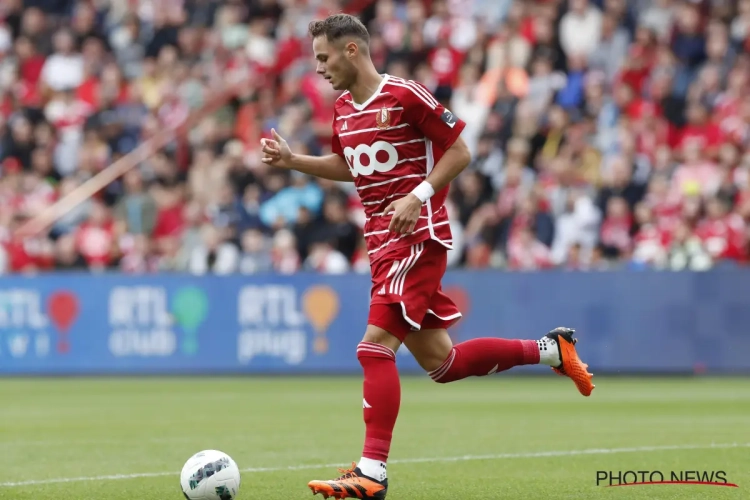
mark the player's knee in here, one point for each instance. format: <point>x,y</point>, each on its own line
<point>377,343</point>
<point>430,348</point>
<point>377,335</point>
<point>441,370</point>
<point>432,365</point>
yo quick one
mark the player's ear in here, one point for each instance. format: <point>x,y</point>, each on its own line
<point>351,49</point>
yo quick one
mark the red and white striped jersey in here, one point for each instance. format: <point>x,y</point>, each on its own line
<point>391,142</point>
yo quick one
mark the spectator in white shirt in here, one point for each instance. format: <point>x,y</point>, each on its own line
<point>212,255</point>
<point>577,225</point>
<point>64,68</point>
<point>580,28</point>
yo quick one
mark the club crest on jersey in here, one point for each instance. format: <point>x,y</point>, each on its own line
<point>383,118</point>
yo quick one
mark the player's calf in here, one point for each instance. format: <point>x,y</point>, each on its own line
<point>381,399</point>
<point>486,356</point>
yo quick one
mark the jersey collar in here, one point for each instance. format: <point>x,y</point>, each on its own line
<point>360,107</point>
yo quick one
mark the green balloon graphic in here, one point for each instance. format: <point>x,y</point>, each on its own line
<point>189,307</point>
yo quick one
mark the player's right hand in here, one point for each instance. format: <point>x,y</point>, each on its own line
<point>276,151</point>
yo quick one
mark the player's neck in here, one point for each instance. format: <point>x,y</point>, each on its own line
<point>366,85</point>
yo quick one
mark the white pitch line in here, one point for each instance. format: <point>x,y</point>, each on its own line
<point>462,458</point>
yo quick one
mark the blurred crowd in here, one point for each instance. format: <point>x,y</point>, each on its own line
<point>605,133</point>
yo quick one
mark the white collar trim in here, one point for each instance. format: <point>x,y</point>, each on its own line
<point>360,107</point>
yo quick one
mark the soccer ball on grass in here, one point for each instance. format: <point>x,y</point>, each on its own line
<point>210,475</point>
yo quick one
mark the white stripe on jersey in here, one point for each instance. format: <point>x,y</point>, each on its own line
<point>416,93</point>
<point>381,214</point>
<point>418,89</point>
<point>411,159</point>
<point>389,181</point>
<point>408,142</point>
<point>372,129</point>
<point>398,273</point>
<point>378,202</point>
<point>396,239</point>
<point>430,166</point>
<point>373,233</point>
<point>397,284</point>
<point>398,108</point>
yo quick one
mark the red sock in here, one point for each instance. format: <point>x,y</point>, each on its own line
<point>480,357</point>
<point>382,398</point>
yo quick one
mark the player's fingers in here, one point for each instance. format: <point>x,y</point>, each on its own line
<point>269,143</point>
<point>276,135</point>
<point>401,226</point>
<point>395,224</point>
<point>268,148</point>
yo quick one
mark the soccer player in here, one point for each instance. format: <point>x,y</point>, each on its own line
<point>402,149</point>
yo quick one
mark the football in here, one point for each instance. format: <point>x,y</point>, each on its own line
<point>210,475</point>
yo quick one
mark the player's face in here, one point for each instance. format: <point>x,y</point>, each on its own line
<point>334,61</point>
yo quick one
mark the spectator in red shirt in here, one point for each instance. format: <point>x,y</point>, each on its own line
<point>445,62</point>
<point>701,130</point>
<point>526,253</point>
<point>722,232</point>
<point>615,233</point>
<point>650,242</point>
<point>95,238</point>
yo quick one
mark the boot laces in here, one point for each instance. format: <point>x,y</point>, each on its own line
<point>348,473</point>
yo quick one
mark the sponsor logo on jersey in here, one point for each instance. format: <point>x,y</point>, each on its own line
<point>382,163</point>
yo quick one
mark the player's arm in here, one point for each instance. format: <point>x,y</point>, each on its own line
<point>456,158</point>
<point>443,129</point>
<point>276,152</point>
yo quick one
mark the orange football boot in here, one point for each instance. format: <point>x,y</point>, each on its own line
<point>571,365</point>
<point>352,484</point>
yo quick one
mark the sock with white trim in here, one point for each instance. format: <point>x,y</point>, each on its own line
<point>485,356</point>
<point>381,393</point>
<point>373,468</point>
<point>549,352</point>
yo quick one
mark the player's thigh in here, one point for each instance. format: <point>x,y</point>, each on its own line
<point>377,335</point>
<point>430,347</point>
<point>386,326</point>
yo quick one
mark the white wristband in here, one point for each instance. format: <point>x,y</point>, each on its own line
<point>424,191</point>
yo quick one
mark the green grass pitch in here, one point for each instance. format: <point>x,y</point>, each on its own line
<point>501,437</point>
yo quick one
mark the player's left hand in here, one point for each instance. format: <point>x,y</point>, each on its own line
<point>405,214</point>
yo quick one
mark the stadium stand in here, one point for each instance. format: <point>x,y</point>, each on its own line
<point>605,134</point>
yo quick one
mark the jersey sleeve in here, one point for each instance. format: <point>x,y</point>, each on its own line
<point>423,112</point>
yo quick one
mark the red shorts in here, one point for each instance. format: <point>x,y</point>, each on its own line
<point>406,293</point>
